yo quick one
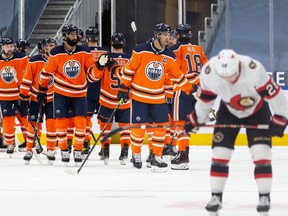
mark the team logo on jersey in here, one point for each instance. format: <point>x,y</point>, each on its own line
<point>72,69</point>
<point>218,137</point>
<point>239,102</point>
<point>154,71</point>
<point>51,81</point>
<point>8,74</point>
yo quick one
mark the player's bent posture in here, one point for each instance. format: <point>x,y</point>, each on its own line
<point>246,92</point>
<point>150,69</point>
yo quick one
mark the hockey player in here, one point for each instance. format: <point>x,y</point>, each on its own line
<point>190,58</point>
<point>22,46</point>
<point>152,65</point>
<point>70,65</point>
<point>12,67</point>
<point>246,93</point>
<point>108,100</point>
<point>93,93</point>
<point>28,97</point>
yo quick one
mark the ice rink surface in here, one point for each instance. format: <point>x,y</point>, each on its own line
<point>108,190</point>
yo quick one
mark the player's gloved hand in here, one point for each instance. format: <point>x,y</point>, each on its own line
<point>169,100</point>
<point>123,93</point>
<point>191,125</point>
<point>112,65</point>
<point>102,61</point>
<point>277,125</point>
<point>42,94</point>
<point>23,101</point>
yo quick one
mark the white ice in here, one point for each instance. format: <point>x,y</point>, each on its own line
<point>108,190</point>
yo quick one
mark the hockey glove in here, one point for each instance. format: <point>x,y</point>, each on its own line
<point>102,61</point>
<point>42,94</point>
<point>191,125</point>
<point>123,93</point>
<point>23,102</point>
<point>277,125</point>
<point>112,65</point>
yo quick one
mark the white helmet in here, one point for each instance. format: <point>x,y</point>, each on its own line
<point>227,63</point>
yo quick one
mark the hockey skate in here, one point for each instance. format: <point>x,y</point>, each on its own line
<point>50,156</point>
<point>157,164</point>
<point>10,149</point>
<point>124,154</point>
<point>65,156</point>
<point>106,154</point>
<point>136,160</point>
<point>3,147</point>
<point>169,152</point>
<point>22,147</point>
<point>77,157</point>
<point>263,205</point>
<point>181,161</point>
<point>100,153</point>
<point>86,148</point>
<point>28,157</point>
<point>213,206</point>
<point>148,160</point>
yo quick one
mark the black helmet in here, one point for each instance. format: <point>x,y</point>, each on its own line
<point>184,30</point>
<point>161,27</point>
<point>80,33</point>
<point>67,29</point>
<point>92,33</point>
<point>6,40</point>
<point>118,40</point>
<point>22,43</point>
<point>40,47</point>
<point>45,41</point>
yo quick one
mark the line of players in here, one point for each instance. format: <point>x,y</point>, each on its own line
<point>189,59</point>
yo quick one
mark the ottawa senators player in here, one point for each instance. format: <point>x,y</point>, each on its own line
<point>12,68</point>
<point>190,59</point>
<point>108,100</point>
<point>28,97</point>
<point>70,65</point>
<point>150,69</point>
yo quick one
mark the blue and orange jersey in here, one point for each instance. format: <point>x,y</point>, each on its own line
<point>70,71</point>
<point>190,58</point>
<point>11,74</point>
<point>149,71</point>
<point>110,83</point>
<point>31,78</point>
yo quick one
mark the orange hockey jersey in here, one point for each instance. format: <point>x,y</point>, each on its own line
<point>69,70</point>
<point>30,81</point>
<point>110,84</point>
<point>190,58</point>
<point>11,72</point>
<point>149,71</point>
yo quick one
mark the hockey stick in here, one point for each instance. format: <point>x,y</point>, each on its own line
<point>37,149</point>
<point>73,171</point>
<point>144,126</point>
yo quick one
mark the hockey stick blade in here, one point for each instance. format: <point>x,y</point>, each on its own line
<point>71,171</point>
<point>37,156</point>
<point>133,26</point>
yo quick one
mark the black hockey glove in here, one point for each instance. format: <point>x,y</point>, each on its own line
<point>102,61</point>
<point>42,94</point>
<point>123,93</point>
<point>191,125</point>
<point>277,125</point>
<point>112,65</point>
<point>23,102</point>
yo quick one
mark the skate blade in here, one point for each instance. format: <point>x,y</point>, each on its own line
<point>148,165</point>
<point>183,166</point>
<point>50,162</point>
<point>27,162</point>
<point>106,161</point>
<point>123,162</point>
<point>263,213</point>
<point>156,169</point>
<point>21,149</point>
<point>71,171</point>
